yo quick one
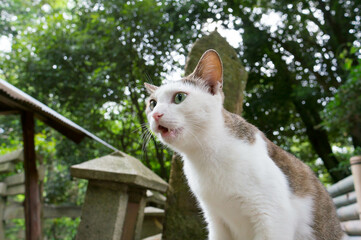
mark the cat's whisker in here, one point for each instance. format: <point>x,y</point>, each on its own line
<point>144,133</point>
<point>148,133</point>
<point>137,129</point>
<point>143,127</point>
<point>195,125</point>
<point>146,140</point>
<point>163,146</point>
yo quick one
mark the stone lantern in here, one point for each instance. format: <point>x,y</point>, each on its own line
<point>115,198</point>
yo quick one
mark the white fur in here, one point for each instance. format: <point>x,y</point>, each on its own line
<point>242,192</point>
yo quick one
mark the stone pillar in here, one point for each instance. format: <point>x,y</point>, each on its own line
<point>115,198</point>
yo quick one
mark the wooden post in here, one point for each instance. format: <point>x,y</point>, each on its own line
<point>356,172</point>
<point>133,220</point>
<point>32,196</point>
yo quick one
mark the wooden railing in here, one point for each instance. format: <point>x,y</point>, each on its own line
<point>346,196</point>
<point>10,186</point>
<point>14,185</point>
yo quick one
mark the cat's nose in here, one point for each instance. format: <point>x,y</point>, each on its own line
<point>157,116</point>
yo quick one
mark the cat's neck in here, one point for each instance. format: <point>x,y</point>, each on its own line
<point>210,142</point>
<point>224,133</point>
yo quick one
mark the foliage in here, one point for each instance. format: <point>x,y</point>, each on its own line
<point>343,113</point>
<point>17,226</point>
<point>295,67</point>
<point>10,138</point>
<point>61,228</point>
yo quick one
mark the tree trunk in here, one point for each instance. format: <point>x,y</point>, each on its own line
<point>355,129</point>
<point>319,140</point>
<point>183,219</point>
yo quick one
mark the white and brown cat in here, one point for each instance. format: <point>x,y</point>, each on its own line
<point>247,187</point>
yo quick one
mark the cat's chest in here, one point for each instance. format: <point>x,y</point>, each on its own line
<point>238,170</point>
<point>230,169</point>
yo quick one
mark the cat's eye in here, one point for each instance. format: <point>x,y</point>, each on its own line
<point>179,97</point>
<point>152,104</point>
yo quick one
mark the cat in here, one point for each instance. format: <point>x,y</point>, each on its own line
<point>247,187</point>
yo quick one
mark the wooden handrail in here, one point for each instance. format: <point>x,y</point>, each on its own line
<point>356,172</point>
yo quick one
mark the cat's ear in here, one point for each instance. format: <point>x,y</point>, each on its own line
<point>210,70</point>
<point>150,88</point>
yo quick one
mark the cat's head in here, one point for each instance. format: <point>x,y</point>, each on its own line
<point>181,113</point>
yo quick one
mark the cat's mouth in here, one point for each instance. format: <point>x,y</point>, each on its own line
<point>168,132</point>
<point>163,130</point>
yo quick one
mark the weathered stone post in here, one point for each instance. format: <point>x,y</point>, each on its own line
<point>115,199</point>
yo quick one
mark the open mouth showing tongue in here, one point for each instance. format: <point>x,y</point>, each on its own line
<point>168,133</point>
<point>163,130</point>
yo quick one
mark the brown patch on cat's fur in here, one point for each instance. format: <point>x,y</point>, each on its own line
<point>303,183</point>
<point>302,180</point>
<point>239,127</point>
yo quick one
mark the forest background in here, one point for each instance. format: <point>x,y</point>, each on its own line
<point>88,60</point>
